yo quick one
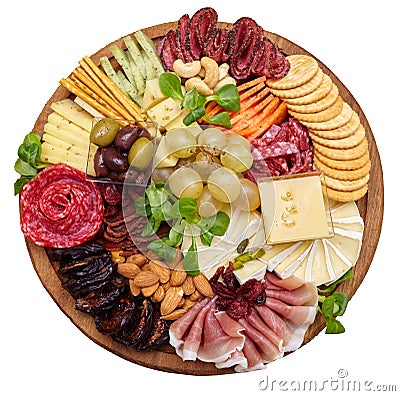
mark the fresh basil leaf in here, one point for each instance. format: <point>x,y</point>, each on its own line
<point>348,275</point>
<point>206,238</point>
<point>191,99</point>
<point>162,249</point>
<point>333,326</point>
<point>24,169</point>
<point>221,224</point>
<point>341,300</point>
<point>142,206</point>
<point>227,97</point>
<point>221,119</point>
<point>199,112</point>
<point>190,261</point>
<point>170,85</point>
<point>28,152</point>
<point>20,183</point>
<point>151,227</point>
<point>187,207</point>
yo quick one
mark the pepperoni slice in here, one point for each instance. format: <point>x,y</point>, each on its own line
<point>60,208</point>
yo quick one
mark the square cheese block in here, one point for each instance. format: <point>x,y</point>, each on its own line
<point>293,208</point>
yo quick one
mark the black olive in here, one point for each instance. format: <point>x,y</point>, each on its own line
<point>100,167</point>
<point>143,132</point>
<point>114,160</point>
<point>125,137</point>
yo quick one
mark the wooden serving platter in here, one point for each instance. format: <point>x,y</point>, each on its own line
<point>165,359</point>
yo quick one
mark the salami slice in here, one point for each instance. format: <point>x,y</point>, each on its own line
<point>60,208</point>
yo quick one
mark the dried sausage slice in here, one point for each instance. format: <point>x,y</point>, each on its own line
<point>60,208</point>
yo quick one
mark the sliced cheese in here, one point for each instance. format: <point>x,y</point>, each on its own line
<point>80,102</point>
<point>165,111</point>
<point>74,113</point>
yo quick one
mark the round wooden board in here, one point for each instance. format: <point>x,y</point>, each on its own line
<point>370,206</point>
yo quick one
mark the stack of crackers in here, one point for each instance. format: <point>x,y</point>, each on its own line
<point>341,147</point>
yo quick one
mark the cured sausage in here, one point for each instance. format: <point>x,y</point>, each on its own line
<point>60,208</point>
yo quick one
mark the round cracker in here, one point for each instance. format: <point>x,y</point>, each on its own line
<point>302,69</point>
<point>339,133</point>
<point>346,196</point>
<point>342,164</point>
<point>319,105</point>
<point>301,90</point>
<point>336,122</point>
<point>322,116</point>
<point>346,175</point>
<point>314,96</point>
<point>343,154</point>
<point>346,185</point>
<point>348,142</point>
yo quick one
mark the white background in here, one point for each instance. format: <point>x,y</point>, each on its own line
<point>43,352</point>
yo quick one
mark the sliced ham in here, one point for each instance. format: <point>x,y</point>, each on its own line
<point>237,359</point>
<point>304,295</point>
<point>253,357</point>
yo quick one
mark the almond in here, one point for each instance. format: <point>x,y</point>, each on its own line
<point>174,314</point>
<point>188,285</point>
<point>135,290</point>
<point>158,295</point>
<point>196,295</point>
<point>166,285</point>
<point>138,259</point>
<point>171,300</point>
<point>129,270</point>
<point>148,291</point>
<point>203,286</point>
<point>182,302</point>
<point>188,304</point>
<point>177,277</point>
<point>163,272</point>
<point>146,278</point>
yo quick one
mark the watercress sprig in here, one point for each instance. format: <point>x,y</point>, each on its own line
<point>28,163</point>
<point>334,305</point>
<point>227,97</point>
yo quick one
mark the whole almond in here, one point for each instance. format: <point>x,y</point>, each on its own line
<point>146,278</point>
<point>158,295</point>
<point>188,285</point>
<point>174,314</point>
<point>196,295</point>
<point>135,290</point>
<point>129,270</point>
<point>177,277</point>
<point>149,290</point>
<point>188,304</point>
<point>171,300</point>
<point>138,259</point>
<point>163,272</point>
<point>166,285</point>
<point>182,302</point>
<point>203,285</point>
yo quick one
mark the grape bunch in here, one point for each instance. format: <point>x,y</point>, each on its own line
<point>210,169</point>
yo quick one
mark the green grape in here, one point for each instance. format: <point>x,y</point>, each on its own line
<point>234,138</point>
<point>236,157</point>
<point>141,153</point>
<point>180,142</point>
<point>224,185</point>
<point>249,197</point>
<point>186,183</point>
<point>213,140</point>
<point>207,204</point>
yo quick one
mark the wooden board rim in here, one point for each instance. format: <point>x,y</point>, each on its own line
<point>167,360</point>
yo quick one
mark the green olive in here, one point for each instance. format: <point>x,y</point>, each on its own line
<point>104,132</point>
<point>141,153</point>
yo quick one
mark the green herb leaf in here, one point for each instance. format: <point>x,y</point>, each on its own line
<point>189,119</point>
<point>191,99</point>
<point>170,85</point>
<point>190,261</point>
<point>32,137</point>
<point>20,183</point>
<point>187,207</point>
<point>162,248</point>
<point>341,300</point>
<point>142,206</point>
<point>206,238</point>
<point>221,224</point>
<point>333,326</point>
<point>151,226</point>
<point>221,119</point>
<point>24,169</point>
<point>157,196</point>
<point>227,97</point>
<point>28,152</point>
<point>176,233</point>
<point>348,275</point>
